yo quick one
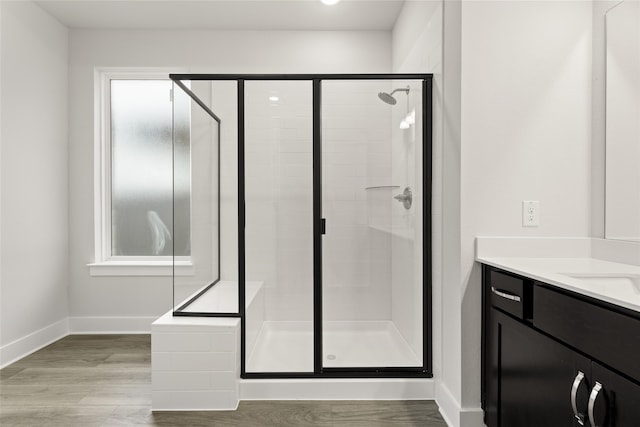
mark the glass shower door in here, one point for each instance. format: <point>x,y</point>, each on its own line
<point>372,287</point>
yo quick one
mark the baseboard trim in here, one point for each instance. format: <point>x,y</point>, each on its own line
<point>471,417</point>
<point>110,325</point>
<point>453,414</point>
<point>449,406</point>
<point>33,342</point>
<point>338,389</point>
<point>22,347</point>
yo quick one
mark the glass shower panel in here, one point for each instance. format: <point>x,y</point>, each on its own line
<point>372,203</point>
<point>196,204</point>
<point>279,226</point>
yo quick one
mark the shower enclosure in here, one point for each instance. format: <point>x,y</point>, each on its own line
<point>328,181</point>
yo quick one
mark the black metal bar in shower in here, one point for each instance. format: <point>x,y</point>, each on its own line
<point>197,100</point>
<point>242,278</point>
<point>427,223</point>
<point>343,373</point>
<point>310,77</point>
<point>178,311</point>
<point>317,225</point>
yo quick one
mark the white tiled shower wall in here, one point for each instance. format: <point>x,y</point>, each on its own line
<point>356,143</point>
<point>406,244</point>
<point>356,154</point>
<point>279,196</point>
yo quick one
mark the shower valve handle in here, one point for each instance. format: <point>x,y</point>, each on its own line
<point>406,197</point>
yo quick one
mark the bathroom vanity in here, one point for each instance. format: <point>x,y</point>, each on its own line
<point>561,352</point>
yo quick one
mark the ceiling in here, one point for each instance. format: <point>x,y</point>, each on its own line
<point>225,14</point>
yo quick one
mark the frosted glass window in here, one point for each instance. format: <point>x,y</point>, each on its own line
<point>141,172</point>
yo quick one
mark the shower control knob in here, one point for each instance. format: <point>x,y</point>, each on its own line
<point>405,198</point>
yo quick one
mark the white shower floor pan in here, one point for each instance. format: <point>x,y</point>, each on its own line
<point>288,346</point>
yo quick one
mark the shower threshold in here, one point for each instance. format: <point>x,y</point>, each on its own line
<point>285,346</point>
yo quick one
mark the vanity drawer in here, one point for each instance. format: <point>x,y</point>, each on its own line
<point>510,293</point>
<point>609,336</point>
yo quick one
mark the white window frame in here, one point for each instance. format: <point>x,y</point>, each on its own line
<point>104,263</point>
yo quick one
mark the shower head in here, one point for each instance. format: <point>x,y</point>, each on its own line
<point>388,97</point>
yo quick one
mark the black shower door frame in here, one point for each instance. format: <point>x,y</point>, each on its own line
<point>424,371</point>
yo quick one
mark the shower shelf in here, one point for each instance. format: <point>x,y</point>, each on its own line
<point>403,233</point>
<point>382,187</point>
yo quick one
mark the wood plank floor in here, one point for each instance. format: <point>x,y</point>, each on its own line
<point>105,380</point>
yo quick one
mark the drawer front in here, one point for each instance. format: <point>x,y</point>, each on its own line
<point>509,293</point>
<point>605,335</point>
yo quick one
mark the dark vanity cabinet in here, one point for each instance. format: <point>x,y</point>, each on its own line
<point>551,358</point>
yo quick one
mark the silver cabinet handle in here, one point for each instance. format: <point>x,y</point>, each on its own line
<point>506,295</point>
<point>592,402</point>
<point>574,392</point>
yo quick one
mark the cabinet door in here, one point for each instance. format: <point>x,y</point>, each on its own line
<point>535,375</point>
<point>490,366</point>
<point>616,402</point>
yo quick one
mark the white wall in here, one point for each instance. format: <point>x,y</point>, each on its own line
<point>122,302</point>
<point>524,106</point>
<point>598,103</point>
<point>448,391</point>
<point>34,229</point>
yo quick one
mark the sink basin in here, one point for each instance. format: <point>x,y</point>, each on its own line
<point>628,282</point>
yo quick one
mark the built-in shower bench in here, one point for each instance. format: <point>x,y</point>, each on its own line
<point>195,361</point>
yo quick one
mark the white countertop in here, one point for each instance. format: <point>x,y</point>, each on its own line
<point>608,281</point>
<point>604,269</point>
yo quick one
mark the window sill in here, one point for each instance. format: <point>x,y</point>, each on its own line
<point>140,268</point>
